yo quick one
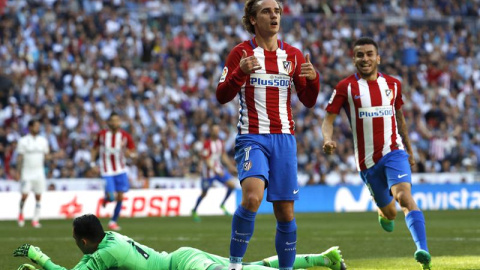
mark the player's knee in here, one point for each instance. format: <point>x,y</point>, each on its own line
<point>403,198</point>
<point>252,202</point>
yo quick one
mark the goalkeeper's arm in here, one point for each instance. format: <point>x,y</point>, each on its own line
<point>88,262</point>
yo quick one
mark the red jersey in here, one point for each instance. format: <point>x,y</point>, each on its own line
<point>371,108</point>
<point>212,154</point>
<point>112,151</point>
<point>265,95</point>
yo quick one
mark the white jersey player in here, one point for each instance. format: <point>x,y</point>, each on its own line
<point>32,151</point>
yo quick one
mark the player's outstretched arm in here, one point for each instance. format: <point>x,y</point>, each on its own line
<point>31,252</point>
<point>40,258</point>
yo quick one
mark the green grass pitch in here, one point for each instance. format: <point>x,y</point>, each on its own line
<point>453,236</point>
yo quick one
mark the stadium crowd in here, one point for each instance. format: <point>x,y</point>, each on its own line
<point>157,64</point>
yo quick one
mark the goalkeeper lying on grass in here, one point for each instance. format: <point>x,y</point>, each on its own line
<point>111,250</point>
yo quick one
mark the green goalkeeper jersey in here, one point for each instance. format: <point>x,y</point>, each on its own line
<point>117,251</point>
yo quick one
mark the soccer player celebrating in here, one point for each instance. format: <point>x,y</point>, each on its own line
<point>260,71</point>
<point>213,153</point>
<point>114,145</point>
<point>32,150</point>
<point>373,102</point>
<point>110,250</point>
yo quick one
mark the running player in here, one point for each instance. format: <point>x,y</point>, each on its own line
<point>373,102</point>
<point>213,154</point>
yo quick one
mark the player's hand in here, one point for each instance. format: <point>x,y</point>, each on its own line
<point>32,252</point>
<point>26,266</point>
<point>307,70</point>
<point>249,64</point>
<point>329,147</point>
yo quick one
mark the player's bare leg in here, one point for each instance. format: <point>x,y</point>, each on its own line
<point>36,215</point>
<point>231,187</point>
<point>112,224</point>
<point>387,215</point>
<point>415,221</point>
<point>195,216</point>
<point>21,218</point>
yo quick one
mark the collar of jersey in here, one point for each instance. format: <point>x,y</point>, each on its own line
<point>254,45</point>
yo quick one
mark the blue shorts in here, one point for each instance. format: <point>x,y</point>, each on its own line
<point>116,183</point>
<point>271,157</point>
<point>207,182</point>
<point>393,168</point>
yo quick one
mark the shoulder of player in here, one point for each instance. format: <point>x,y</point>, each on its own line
<point>389,78</point>
<point>124,132</point>
<point>287,46</point>
<point>291,49</point>
<point>343,84</point>
<point>245,45</point>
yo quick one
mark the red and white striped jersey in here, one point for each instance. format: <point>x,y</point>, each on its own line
<point>112,151</point>
<point>265,95</point>
<point>212,154</point>
<point>371,107</point>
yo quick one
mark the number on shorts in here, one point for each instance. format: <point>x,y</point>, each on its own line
<point>247,152</point>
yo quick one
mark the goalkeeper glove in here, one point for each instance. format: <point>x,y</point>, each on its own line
<point>32,252</point>
<point>26,266</point>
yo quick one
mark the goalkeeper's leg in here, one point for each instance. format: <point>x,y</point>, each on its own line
<point>217,266</point>
<point>331,258</point>
<point>26,266</point>
<point>36,214</point>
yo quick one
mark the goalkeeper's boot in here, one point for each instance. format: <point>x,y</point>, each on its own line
<point>386,223</point>
<point>36,224</point>
<point>195,216</point>
<point>225,211</point>
<point>112,225</point>
<point>424,258</point>
<point>21,220</point>
<point>333,259</point>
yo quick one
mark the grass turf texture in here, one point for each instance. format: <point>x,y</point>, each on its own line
<point>453,237</point>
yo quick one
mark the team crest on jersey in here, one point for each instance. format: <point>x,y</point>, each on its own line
<point>224,74</point>
<point>287,65</point>
<point>247,165</point>
<point>388,92</point>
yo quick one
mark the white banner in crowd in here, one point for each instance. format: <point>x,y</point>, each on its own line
<point>137,203</point>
